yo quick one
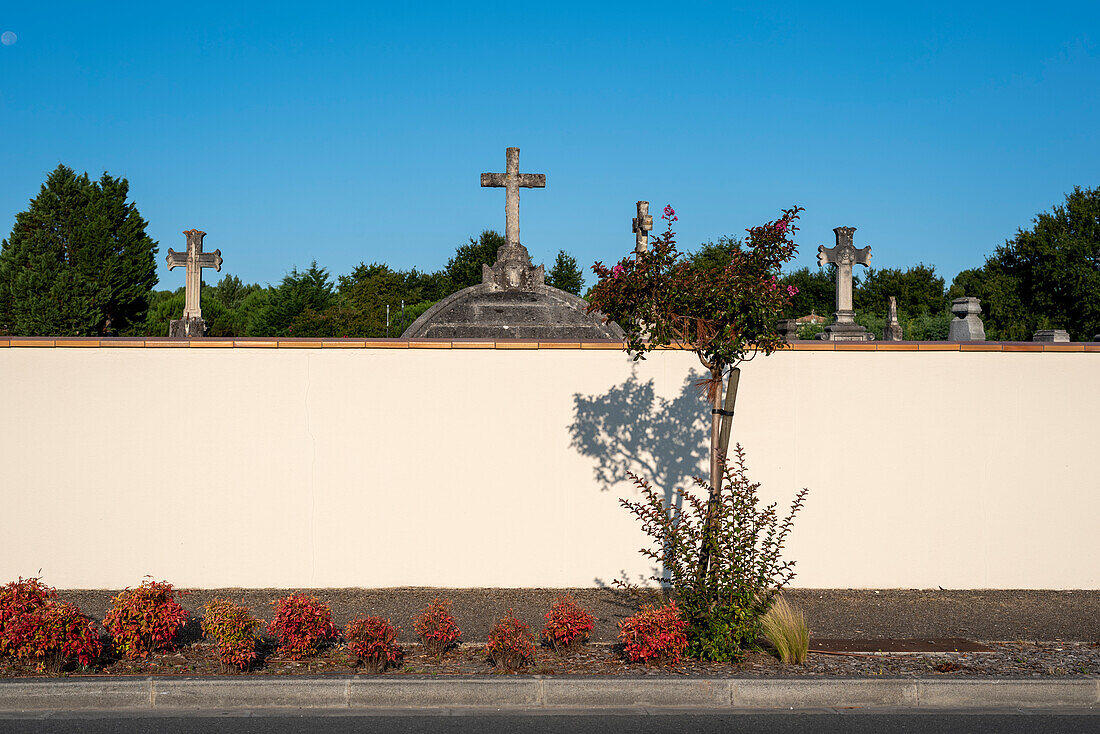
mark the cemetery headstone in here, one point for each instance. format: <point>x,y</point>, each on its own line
<point>512,300</point>
<point>194,259</point>
<point>1051,335</point>
<point>845,256</point>
<point>967,325</point>
<point>641,226</point>
<point>892,331</point>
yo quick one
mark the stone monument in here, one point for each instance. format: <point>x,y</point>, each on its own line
<point>967,326</point>
<point>1051,335</point>
<point>641,226</point>
<point>845,256</point>
<point>892,331</point>
<point>512,300</point>
<point>192,325</point>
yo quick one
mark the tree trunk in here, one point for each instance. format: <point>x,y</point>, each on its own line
<point>721,422</point>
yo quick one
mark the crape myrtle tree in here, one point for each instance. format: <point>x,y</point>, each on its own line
<point>724,314</point>
<point>78,261</point>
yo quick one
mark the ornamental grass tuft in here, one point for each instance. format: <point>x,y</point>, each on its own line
<point>785,627</point>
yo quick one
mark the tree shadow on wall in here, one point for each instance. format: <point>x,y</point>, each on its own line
<point>631,428</point>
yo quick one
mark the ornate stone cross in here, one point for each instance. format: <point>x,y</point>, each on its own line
<point>512,181</point>
<point>643,223</point>
<point>844,255</point>
<point>194,260</point>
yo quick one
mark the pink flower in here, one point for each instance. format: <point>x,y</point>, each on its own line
<point>670,213</point>
<point>792,290</point>
<point>781,225</point>
<point>616,271</point>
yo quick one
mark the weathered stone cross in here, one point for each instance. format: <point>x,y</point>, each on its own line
<point>844,255</point>
<point>641,226</point>
<point>194,260</point>
<point>511,181</point>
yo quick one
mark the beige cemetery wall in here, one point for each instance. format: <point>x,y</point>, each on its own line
<point>263,467</point>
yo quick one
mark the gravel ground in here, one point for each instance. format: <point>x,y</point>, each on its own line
<point>831,613</point>
<point>1032,633</point>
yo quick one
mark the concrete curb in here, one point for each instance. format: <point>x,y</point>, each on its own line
<point>535,692</point>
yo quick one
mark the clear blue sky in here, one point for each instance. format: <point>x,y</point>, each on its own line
<point>358,133</point>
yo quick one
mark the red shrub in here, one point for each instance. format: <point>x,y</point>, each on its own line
<point>302,624</point>
<point>511,643</point>
<point>374,640</point>
<point>655,634</point>
<point>234,630</point>
<point>436,627</point>
<point>567,624</point>
<point>145,620</point>
<point>17,599</point>
<point>56,633</point>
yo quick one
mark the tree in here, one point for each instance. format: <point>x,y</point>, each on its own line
<point>816,292</point>
<point>1045,277</point>
<point>565,275</point>
<point>300,292</point>
<point>722,314</point>
<point>464,269</point>
<point>78,261</point>
<point>716,254</point>
<point>918,290</point>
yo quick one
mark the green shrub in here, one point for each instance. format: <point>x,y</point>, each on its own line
<point>723,605</point>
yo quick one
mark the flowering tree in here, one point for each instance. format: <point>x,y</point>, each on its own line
<point>723,314</point>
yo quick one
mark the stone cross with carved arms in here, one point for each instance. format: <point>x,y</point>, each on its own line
<point>194,260</point>
<point>641,226</point>
<point>512,181</point>
<point>845,256</point>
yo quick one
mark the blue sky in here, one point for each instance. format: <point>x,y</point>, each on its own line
<point>357,132</point>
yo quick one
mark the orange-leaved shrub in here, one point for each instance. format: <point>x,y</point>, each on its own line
<point>374,640</point>
<point>37,627</point>
<point>436,627</point>
<point>567,624</point>
<point>145,620</point>
<point>655,634</point>
<point>17,599</point>
<point>511,643</point>
<point>56,633</point>
<point>301,625</point>
<point>233,629</point>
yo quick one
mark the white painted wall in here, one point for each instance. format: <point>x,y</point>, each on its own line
<point>454,467</point>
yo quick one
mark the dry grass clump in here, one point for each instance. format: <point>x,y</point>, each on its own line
<point>785,627</point>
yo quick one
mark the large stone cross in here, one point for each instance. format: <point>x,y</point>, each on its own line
<point>194,260</point>
<point>641,226</point>
<point>512,181</point>
<point>845,256</point>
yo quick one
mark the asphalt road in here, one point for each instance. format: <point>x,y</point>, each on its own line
<point>817,722</point>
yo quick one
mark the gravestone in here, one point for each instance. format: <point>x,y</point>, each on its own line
<point>641,226</point>
<point>512,300</point>
<point>892,331</point>
<point>967,325</point>
<point>194,259</point>
<point>845,256</point>
<point>1051,335</point>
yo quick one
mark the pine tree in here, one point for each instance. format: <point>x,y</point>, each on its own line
<point>565,275</point>
<point>78,262</point>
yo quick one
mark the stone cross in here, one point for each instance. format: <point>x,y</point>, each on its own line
<point>845,256</point>
<point>511,181</point>
<point>194,260</point>
<point>643,223</point>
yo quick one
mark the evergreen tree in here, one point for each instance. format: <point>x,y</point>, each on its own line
<point>565,275</point>
<point>716,254</point>
<point>78,261</point>
<point>464,269</point>
<point>302,293</point>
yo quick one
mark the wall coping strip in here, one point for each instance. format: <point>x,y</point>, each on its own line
<point>39,342</point>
